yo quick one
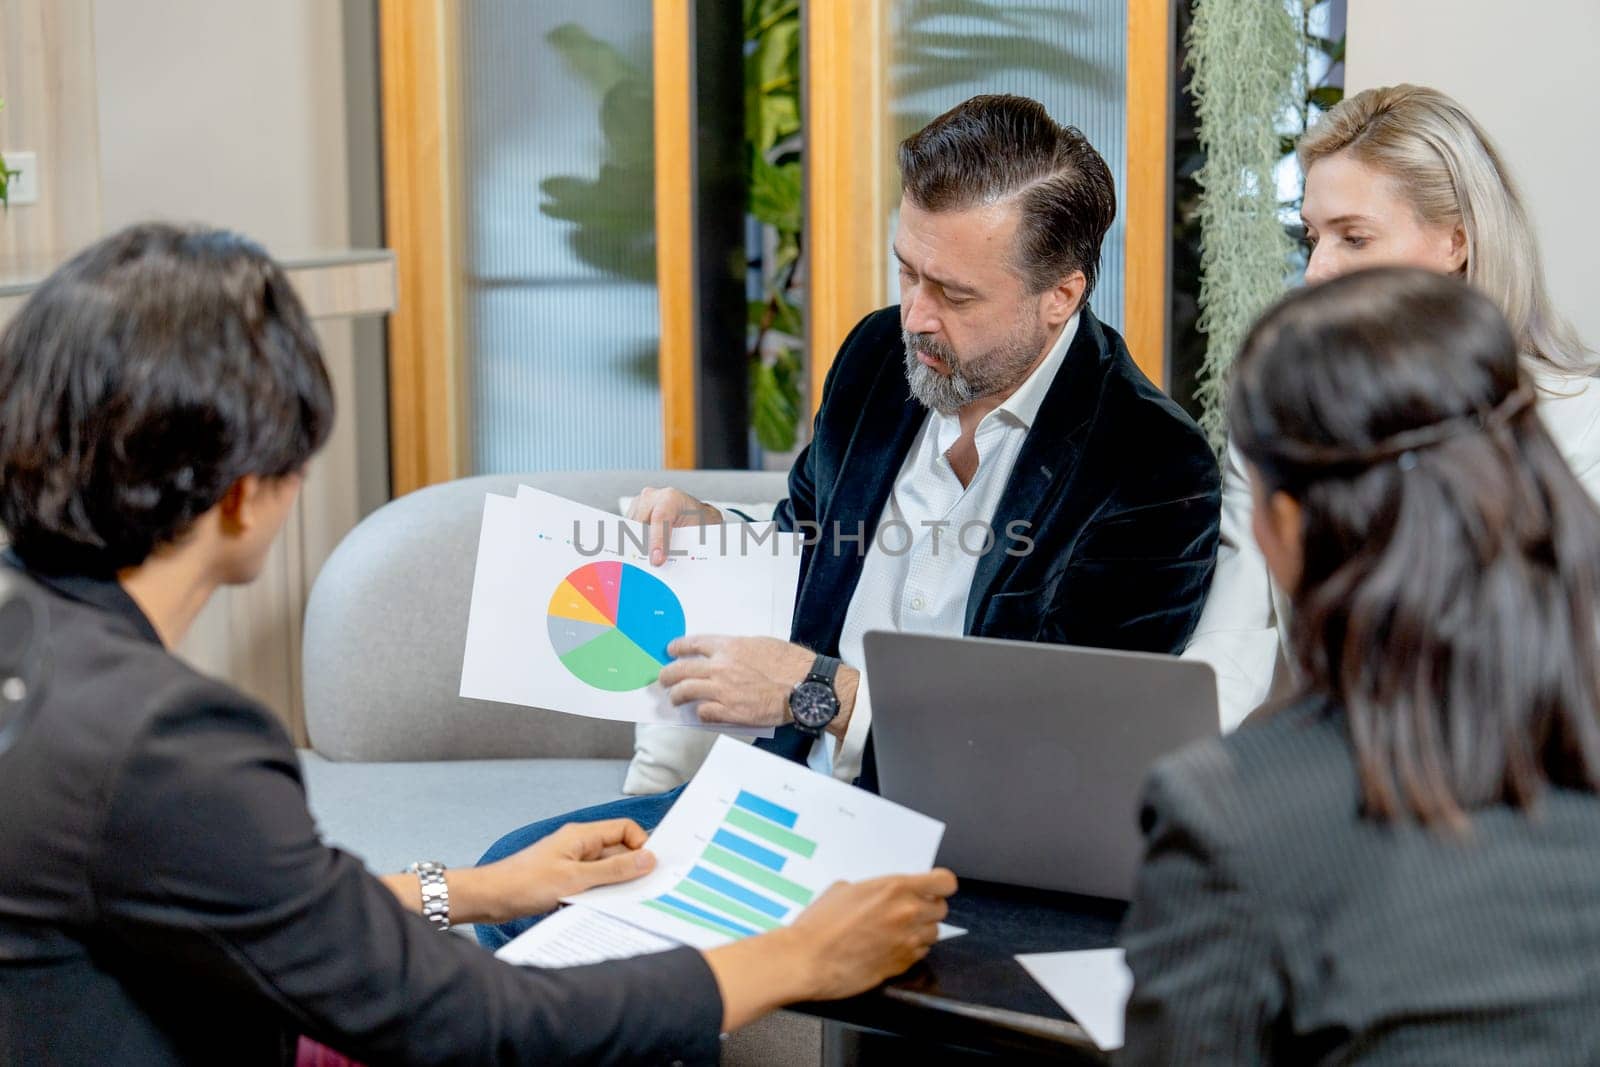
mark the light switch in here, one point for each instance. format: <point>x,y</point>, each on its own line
<point>23,168</point>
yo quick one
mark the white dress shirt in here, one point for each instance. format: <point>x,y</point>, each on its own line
<point>1243,630</point>
<point>917,574</point>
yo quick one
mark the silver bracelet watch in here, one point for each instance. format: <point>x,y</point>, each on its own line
<point>435,892</point>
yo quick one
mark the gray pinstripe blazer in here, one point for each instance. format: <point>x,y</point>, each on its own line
<point>1273,923</point>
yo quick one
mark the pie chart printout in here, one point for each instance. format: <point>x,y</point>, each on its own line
<point>610,624</point>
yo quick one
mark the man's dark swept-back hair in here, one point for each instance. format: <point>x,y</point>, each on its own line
<point>993,148</point>
<point>143,378</point>
<point>1449,595</point>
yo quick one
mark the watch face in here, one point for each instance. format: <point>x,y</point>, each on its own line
<point>813,704</point>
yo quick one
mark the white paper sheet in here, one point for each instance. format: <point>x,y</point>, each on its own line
<point>1092,985</point>
<point>753,839</point>
<point>575,936</point>
<point>751,554</point>
<point>536,639</point>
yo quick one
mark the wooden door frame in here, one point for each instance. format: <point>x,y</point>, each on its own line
<point>848,181</point>
<point>672,44</point>
<point>849,189</point>
<point>1147,207</point>
<point>421,166</point>
<point>849,184</point>
<point>422,206</point>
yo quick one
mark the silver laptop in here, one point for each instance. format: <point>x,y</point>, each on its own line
<point>1032,755</point>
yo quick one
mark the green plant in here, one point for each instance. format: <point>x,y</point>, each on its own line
<point>1323,57</point>
<point>773,141</point>
<point>1321,92</point>
<point>1260,77</point>
<point>1244,54</point>
<point>613,213</point>
<point>5,176</point>
<point>943,51</point>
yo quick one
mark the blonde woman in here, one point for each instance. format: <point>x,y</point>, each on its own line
<point>1400,175</point>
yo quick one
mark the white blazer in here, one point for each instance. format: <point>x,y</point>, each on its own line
<point>1242,631</point>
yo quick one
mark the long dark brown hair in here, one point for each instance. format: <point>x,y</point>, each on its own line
<point>1451,559</point>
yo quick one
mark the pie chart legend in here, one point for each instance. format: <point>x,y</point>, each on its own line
<point>610,624</point>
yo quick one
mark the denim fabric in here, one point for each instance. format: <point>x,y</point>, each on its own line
<point>646,811</point>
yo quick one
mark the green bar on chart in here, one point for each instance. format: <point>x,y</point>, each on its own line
<point>771,832</point>
<point>667,909</point>
<point>721,903</point>
<point>754,872</point>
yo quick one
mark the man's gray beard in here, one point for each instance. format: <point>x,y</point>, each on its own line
<point>997,370</point>
<point>946,395</point>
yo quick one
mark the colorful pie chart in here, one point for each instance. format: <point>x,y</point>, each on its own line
<point>610,624</point>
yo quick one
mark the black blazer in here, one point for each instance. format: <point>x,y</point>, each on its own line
<point>1117,486</point>
<point>1273,923</point>
<point>164,898</point>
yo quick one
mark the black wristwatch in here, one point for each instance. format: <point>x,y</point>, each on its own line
<point>813,704</point>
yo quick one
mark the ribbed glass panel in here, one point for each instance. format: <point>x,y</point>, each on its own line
<point>1070,55</point>
<point>561,321</point>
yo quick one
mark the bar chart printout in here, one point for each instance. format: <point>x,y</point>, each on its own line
<point>753,840</point>
<point>738,888</point>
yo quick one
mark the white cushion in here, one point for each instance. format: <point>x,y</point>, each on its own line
<point>665,757</point>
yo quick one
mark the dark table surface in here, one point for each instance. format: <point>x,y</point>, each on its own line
<point>972,993</point>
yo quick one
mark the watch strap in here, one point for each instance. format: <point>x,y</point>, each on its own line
<point>824,669</point>
<point>435,892</point>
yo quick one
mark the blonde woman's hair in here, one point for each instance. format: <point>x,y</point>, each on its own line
<point>1448,169</point>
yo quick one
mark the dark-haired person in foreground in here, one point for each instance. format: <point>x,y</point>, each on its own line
<point>164,897</point>
<point>992,399</point>
<point>1403,866</point>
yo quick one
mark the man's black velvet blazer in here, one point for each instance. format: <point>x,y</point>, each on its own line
<point>1118,489</point>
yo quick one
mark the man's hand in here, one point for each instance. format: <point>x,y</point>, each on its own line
<point>665,509</point>
<point>744,681</point>
<point>850,939</point>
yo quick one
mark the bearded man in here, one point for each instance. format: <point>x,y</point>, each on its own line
<point>987,459</point>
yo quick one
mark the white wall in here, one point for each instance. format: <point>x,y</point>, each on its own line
<point>1526,71</point>
<point>229,112</point>
<point>232,113</point>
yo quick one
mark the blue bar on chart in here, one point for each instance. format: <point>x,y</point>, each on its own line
<point>688,908</point>
<point>735,891</point>
<point>747,848</point>
<point>766,809</point>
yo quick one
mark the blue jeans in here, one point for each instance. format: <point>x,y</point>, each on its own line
<point>646,811</point>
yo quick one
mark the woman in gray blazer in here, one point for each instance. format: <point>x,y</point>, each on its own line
<point>1402,866</point>
<point>164,895</point>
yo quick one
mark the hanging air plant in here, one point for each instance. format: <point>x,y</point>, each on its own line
<point>1248,63</point>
